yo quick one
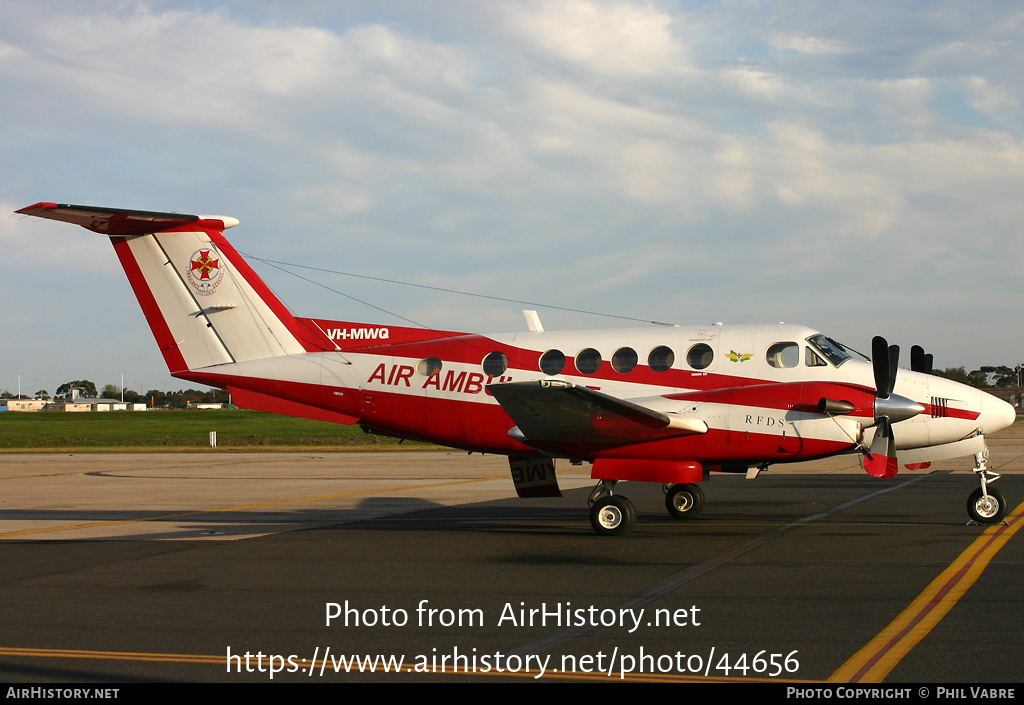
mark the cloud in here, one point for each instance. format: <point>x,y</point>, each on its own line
<point>615,39</point>
<point>547,150</point>
<point>807,44</point>
<point>996,101</point>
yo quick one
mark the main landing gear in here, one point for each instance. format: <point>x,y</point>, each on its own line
<point>985,505</point>
<point>684,501</point>
<point>613,514</point>
<point>610,514</point>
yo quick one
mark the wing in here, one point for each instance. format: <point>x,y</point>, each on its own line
<point>554,411</point>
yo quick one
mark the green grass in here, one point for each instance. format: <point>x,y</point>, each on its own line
<point>180,430</point>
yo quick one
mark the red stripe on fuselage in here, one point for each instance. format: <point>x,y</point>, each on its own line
<point>483,427</point>
<point>950,412</point>
<point>786,396</point>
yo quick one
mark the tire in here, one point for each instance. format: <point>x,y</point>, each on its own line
<point>986,509</point>
<point>684,501</point>
<point>613,515</point>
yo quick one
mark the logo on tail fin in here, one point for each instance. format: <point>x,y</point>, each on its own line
<point>204,272</point>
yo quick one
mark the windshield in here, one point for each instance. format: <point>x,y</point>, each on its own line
<point>832,350</point>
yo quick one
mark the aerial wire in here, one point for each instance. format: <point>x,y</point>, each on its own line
<point>280,265</point>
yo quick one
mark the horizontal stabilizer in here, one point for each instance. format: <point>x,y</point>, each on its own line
<point>119,221</point>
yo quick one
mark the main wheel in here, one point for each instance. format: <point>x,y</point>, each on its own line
<point>612,515</point>
<point>986,508</point>
<point>684,501</point>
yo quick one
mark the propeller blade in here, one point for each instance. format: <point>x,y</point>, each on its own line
<point>885,359</point>
<point>919,361</point>
<point>894,363</point>
<point>880,364</point>
<point>917,358</point>
<point>881,461</point>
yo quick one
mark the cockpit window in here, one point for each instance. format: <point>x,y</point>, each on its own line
<point>830,349</point>
<point>811,359</point>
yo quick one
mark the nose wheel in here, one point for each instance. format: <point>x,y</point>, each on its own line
<point>986,508</point>
<point>986,505</point>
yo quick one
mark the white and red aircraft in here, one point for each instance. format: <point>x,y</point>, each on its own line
<point>666,405</point>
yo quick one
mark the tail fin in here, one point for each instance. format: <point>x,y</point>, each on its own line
<point>204,303</point>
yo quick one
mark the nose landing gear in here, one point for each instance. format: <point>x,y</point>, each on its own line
<point>985,505</point>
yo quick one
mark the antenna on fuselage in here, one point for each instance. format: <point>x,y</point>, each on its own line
<point>533,321</point>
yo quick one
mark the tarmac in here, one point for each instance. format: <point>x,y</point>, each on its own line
<point>251,567</point>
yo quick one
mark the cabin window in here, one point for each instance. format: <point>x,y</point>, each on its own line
<point>624,360</point>
<point>811,359</point>
<point>428,366</point>
<point>661,358</point>
<point>495,364</point>
<point>783,355</point>
<point>552,362</point>
<point>588,361</point>
<point>700,356</point>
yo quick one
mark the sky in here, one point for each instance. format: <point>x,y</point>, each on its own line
<point>854,167</point>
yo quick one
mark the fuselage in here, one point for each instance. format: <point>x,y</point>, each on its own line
<point>756,387</point>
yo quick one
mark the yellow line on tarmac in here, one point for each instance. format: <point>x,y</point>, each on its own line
<point>111,655</point>
<point>874,662</point>
<point>239,508</point>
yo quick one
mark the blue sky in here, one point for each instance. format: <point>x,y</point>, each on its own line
<point>857,168</point>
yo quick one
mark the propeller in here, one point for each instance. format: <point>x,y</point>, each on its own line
<point>890,408</point>
<point>885,359</point>
<point>920,361</point>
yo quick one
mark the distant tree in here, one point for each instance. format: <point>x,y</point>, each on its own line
<point>957,374</point>
<point>978,379</point>
<point>133,397</point>
<point>6,395</point>
<point>1001,376</point>
<point>216,396</point>
<point>986,377</point>
<point>86,387</point>
<point>42,394</point>
<point>111,391</point>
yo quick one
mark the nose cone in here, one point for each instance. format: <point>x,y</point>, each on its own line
<point>996,414</point>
